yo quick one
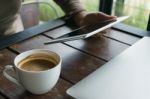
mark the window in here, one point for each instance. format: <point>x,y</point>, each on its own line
<point>91,5</point>
<point>138,10</point>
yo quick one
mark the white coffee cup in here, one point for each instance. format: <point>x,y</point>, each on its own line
<point>36,82</point>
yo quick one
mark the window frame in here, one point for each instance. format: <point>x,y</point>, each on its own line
<point>106,7</point>
<point>148,26</point>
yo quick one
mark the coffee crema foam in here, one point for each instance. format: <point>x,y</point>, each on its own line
<point>37,62</point>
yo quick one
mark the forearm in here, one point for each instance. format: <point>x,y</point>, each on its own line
<point>70,7</point>
<point>73,8</point>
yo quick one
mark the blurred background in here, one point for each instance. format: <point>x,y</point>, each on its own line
<point>139,10</point>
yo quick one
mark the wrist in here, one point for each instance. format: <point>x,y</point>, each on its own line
<point>79,17</point>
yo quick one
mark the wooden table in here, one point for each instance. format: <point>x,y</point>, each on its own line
<point>80,58</point>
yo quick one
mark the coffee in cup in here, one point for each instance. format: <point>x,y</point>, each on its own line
<point>36,70</point>
<point>37,62</point>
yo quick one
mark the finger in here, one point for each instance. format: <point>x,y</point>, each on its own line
<point>102,16</point>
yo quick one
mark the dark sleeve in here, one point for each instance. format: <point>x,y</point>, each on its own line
<point>70,7</point>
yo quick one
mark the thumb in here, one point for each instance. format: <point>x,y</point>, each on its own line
<point>102,16</point>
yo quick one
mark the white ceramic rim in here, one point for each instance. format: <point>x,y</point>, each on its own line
<point>47,50</point>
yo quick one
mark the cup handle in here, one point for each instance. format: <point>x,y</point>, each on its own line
<point>12,79</point>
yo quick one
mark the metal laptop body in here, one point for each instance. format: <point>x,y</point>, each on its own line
<point>127,76</point>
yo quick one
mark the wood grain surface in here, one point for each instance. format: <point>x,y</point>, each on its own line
<point>79,59</point>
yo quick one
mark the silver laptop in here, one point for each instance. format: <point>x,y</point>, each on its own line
<point>127,76</point>
<point>93,29</point>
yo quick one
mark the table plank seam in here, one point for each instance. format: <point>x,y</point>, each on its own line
<point>77,48</point>
<point>13,51</point>
<point>117,40</point>
<point>47,36</point>
<point>30,32</point>
<point>67,80</point>
<point>86,52</point>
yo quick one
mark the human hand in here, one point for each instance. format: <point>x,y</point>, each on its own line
<point>86,19</point>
